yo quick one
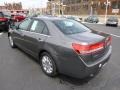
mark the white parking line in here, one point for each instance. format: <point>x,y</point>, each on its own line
<point>115,35</point>
<point>1,34</point>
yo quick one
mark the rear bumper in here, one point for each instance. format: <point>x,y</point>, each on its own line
<point>75,67</point>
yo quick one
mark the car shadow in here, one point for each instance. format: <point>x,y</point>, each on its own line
<point>63,79</point>
<point>74,81</point>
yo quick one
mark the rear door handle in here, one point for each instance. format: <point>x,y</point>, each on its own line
<point>39,39</point>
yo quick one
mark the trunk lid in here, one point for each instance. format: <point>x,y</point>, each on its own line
<point>92,37</point>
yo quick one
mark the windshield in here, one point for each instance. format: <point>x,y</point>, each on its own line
<point>94,17</point>
<point>113,18</point>
<point>70,26</point>
<point>1,15</point>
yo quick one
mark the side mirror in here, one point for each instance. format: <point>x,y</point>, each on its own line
<point>14,26</point>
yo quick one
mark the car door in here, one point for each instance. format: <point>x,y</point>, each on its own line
<point>20,32</point>
<point>35,37</point>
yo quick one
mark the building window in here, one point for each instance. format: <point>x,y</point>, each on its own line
<point>78,1</point>
<point>116,4</point>
<point>103,6</point>
<point>85,6</point>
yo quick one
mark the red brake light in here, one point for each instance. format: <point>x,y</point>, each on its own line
<point>3,19</point>
<point>87,49</point>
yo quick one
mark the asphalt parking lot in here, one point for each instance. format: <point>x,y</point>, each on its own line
<point>19,71</point>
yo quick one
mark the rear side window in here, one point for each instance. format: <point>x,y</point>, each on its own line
<point>45,31</point>
<point>70,26</point>
<point>37,26</point>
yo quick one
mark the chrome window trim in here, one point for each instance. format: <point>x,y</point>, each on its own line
<point>39,33</point>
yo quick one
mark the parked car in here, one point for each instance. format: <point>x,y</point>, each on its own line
<point>62,45</point>
<point>4,21</point>
<point>74,18</point>
<point>92,19</point>
<point>18,17</point>
<point>113,21</point>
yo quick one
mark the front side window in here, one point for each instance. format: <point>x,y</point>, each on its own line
<point>25,24</point>
<point>70,26</point>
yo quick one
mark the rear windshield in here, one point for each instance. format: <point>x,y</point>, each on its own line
<point>94,17</point>
<point>70,26</point>
<point>1,15</point>
<point>113,18</point>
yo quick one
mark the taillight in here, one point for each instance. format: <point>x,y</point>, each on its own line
<point>87,49</point>
<point>3,19</point>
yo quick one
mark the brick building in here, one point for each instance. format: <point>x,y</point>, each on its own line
<point>113,4</point>
<point>55,7</point>
<point>85,7</point>
<point>3,8</point>
<point>13,6</point>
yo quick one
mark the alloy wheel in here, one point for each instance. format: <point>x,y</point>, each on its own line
<point>47,64</point>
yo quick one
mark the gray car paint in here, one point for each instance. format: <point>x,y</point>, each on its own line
<point>59,46</point>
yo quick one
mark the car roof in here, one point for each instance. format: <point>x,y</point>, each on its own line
<point>113,17</point>
<point>48,18</point>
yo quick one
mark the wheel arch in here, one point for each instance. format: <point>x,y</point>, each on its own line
<point>50,53</point>
<point>8,34</point>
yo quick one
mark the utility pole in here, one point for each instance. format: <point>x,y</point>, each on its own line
<point>62,8</point>
<point>106,11</point>
<point>91,9</point>
<point>59,6</point>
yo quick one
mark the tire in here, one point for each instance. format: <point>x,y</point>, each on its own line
<point>48,65</point>
<point>106,24</point>
<point>7,28</point>
<point>116,25</point>
<point>11,42</point>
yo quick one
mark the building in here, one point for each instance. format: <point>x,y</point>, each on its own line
<point>85,7</point>
<point>113,7</point>
<point>76,7</point>
<point>13,6</point>
<point>55,7</point>
<point>3,8</point>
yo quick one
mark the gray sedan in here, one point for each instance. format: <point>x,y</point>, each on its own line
<point>62,45</point>
<point>113,21</point>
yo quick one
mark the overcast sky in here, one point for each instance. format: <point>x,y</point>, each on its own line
<point>27,3</point>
